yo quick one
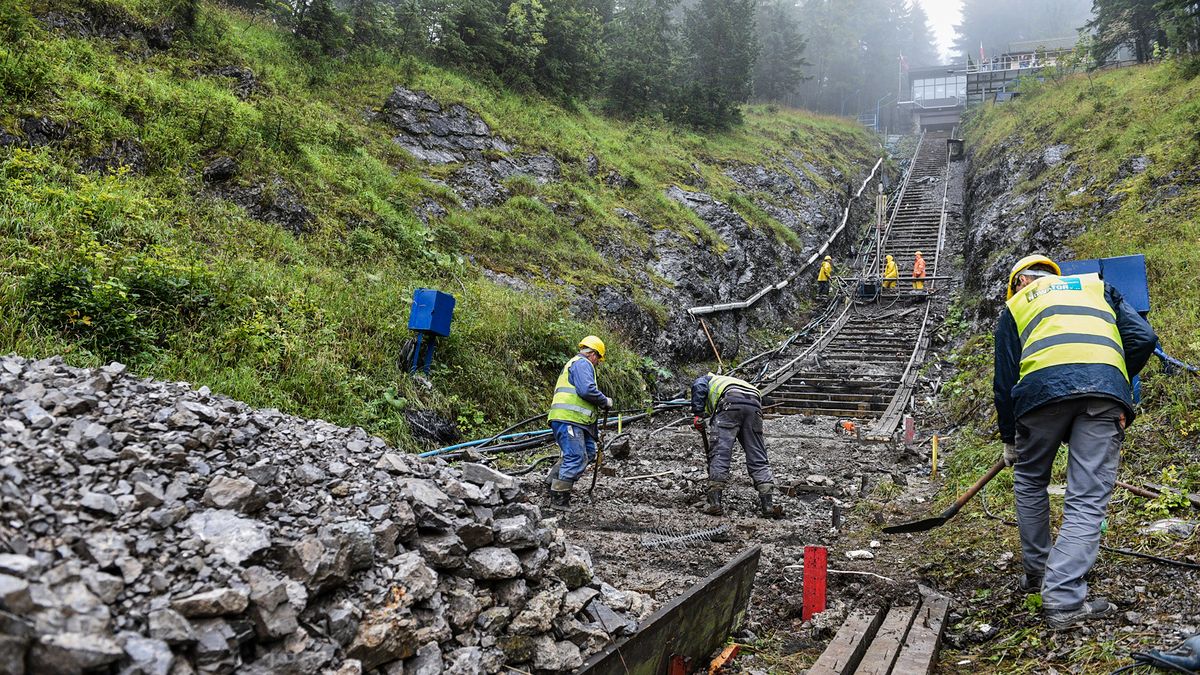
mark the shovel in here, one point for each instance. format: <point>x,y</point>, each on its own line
<point>938,521</point>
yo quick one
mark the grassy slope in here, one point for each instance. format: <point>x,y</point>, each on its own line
<point>151,270</point>
<point>1107,120</point>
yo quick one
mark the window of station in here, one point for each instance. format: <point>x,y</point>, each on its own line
<point>933,88</point>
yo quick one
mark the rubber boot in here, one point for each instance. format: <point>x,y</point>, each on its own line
<point>560,495</point>
<point>766,499</point>
<point>553,474</point>
<point>714,507</point>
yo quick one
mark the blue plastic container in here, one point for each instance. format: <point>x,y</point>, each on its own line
<point>432,312</point>
<point>1127,273</point>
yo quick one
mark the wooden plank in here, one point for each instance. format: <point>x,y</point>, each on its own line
<point>846,649</point>
<point>886,645</point>
<point>924,638</point>
<point>692,626</point>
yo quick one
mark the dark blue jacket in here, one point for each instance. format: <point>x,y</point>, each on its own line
<point>1072,380</point>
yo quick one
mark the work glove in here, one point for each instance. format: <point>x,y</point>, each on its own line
<point>697,423</point>
<point>1010,454</point>
<point>608,403</point>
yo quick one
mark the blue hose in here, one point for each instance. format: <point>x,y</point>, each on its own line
<point>471,444</point>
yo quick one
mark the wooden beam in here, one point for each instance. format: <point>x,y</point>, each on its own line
<point>844,652</point>
<point>883,650</point>
<point>692,626</point>
<point>924,638</point>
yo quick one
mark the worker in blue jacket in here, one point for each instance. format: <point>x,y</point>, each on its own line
<point>1066,348</point>
<point>574,411</point>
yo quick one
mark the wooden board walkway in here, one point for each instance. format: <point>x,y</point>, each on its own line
<point>902,640</point>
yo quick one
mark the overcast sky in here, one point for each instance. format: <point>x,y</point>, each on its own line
<point>943,14</point>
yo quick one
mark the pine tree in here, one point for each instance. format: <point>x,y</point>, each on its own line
<point>642,57</point>
<point>780,66</point>
<point>721,51</point>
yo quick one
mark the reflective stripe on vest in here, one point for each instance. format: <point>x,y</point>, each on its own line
<point>717,386</point>
<point>567,405</point>
<point>1065,320</point>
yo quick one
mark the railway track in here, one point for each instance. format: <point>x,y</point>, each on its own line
<point>864,365</point>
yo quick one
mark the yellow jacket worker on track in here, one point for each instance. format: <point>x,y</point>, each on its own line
<point>890,271</point>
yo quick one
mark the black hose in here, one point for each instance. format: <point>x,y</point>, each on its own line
<point>534,465</point>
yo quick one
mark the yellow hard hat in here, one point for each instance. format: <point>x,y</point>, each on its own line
<point>919,253</point>
<point>594,343</point>
<point>889,257</point>
<point>1024,264</point>
<point>829,257</point>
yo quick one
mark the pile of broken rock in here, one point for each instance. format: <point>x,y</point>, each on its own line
<point>148,527</point>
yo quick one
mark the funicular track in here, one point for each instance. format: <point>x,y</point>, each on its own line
<point>864,365</point>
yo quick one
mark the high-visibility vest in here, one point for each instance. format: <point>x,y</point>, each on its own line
<point>919,268</point>
<point>826,271</point>
<point>1065,320</point>
<point>717,386</point>
<point>567,405</point>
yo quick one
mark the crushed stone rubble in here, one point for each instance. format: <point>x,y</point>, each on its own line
<point>147,527</point>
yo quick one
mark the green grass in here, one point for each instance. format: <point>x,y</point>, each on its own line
<point>155,270</point>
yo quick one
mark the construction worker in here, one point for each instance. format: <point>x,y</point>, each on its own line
<point>919,272</point>
<point>735,411</point>
<point>573,416</point>
<point>823,277</point>
<point>1066,347</point>
<point>890,271</point>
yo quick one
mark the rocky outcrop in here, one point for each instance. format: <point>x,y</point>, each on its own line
<point>676,266</point>
<point>1015,206</point>
<point>146,527</point>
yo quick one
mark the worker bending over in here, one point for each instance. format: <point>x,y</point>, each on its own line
<point>736,414</point>
<point>1066,347</point>
<point>573,415</point>
<point>890,271</point>
<point>823,277</point>
<point>919,272</point>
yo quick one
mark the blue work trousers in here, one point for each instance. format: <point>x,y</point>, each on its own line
<point>578,448</point>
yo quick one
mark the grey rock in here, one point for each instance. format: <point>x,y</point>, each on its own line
<point>147,656</point>
<point>418,581</point>
<point>491,562</point>
<point>482,475</point>
<point>613,623</point>
<point>578,598</point>
<point>493,619</point>
<point>106,586</point>
<point>170,626</point>
<point>515,533</point>
<point>575,568</point>
<point>445,551</point>
<point>14,594</point>
<point>555,656</point>
<point>216,648</point>
<point>104,548</point>
<point>382,639</point>
<point>234,538</point>
<point>428,661</point>
<point>533,562</point>
<point>72,653</point>
<point>19,565</point>
<point>217,602</point>
<point>99,503</point>
<point>474,534</point>
<point>539,613</point>
<point>239,494</point>
<point>464,661</point>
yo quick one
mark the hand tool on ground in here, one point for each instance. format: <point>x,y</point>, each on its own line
<point>599,453</point>
<point>939,520</point>
<point>1183,659</point>
<point>704,439</point>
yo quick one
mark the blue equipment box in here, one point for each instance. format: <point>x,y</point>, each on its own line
<point>432,312</point>
<point>1127,273</point>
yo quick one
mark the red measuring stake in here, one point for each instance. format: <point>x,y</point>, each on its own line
<point>814,581</point>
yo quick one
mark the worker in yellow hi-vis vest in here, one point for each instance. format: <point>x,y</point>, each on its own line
<point>823,277</point>
<point>573,416</point>
<point>1066,348</point>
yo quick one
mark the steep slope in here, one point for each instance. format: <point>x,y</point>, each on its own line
<point>196,196</point>
<point>1082,167</point>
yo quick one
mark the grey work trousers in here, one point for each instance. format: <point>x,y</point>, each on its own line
<point>739,417</point>
<point>1093,427</point>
